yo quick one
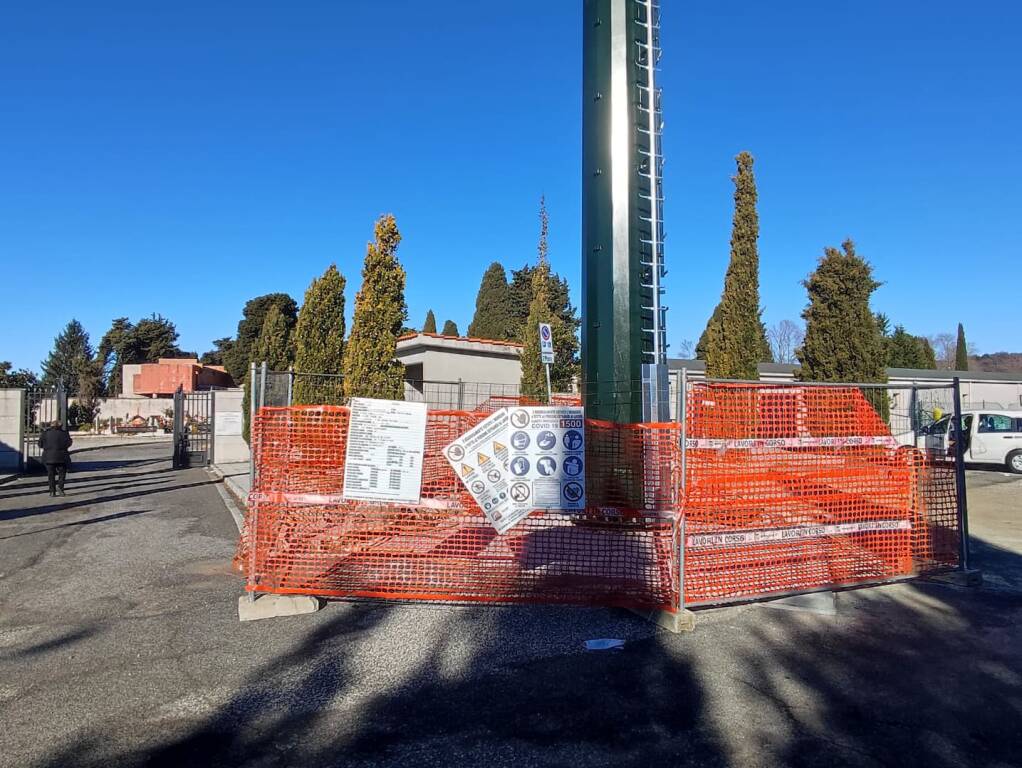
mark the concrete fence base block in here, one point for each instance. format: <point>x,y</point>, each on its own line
<point>272,606</point>
<point>682,621</point>
<point>973,577</point>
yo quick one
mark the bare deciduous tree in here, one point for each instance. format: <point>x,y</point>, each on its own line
<point>785,337</point>
<point>685,349</point>
<point>944,345</point>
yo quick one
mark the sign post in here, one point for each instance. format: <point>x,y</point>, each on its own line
<point>546,354</point>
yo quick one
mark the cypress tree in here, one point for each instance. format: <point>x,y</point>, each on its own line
<point>430,325</point>
<point>522,291</point>
<point>319,338</point>
<point>274,343</point>
<point>737,341</point>
<point>274,347</point>
<point>961,351</point>
<point>704,338</point>
<point>533,382</point>
<point>370,369</point>
<point>71,361</point>
<point>450,329</point>
<point>492,319</point>
<point>842,340</point>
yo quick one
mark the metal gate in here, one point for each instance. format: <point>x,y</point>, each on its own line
<point>43,405</point>
<point>194,415</point>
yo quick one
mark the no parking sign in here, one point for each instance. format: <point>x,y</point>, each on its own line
<point>546,343</point>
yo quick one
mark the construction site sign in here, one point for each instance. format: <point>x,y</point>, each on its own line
<point>480,459</point>
<point>383,458</point>
<point>548,453</point>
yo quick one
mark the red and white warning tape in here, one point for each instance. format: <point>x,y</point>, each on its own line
<point>336,498</point>
<point>794,533</point>
<point>791,442</point>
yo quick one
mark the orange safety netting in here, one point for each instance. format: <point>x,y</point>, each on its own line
<point>308,539</point>
<point>789,489</point>
<point>785,489</point>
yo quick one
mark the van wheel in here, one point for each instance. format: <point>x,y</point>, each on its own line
<point>1014,462</point>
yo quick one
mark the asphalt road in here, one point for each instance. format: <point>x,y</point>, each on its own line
<point>120,646</point>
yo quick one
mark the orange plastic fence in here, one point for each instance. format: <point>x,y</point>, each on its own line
<point>789,489</point>
<point>785,489</point>
<point>308,539</point>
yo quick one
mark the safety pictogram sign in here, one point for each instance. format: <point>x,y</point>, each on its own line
<point>521,459</point>
<point>548,454</point>
<point>480,457</point>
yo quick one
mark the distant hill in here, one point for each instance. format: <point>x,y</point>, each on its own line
<point>998,362</point>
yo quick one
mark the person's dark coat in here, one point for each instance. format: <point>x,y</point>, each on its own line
<point>55,442</point>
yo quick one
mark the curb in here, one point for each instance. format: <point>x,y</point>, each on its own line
<point>228,499</point>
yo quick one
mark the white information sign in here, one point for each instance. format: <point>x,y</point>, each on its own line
<point>383,459</point>
<point>546,343</point>
<point>548,453</point>
<point>227,423</point>
<point>480,459</point>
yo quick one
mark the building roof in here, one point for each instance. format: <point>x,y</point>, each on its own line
<point>414,342</point>
<point>409,336</point>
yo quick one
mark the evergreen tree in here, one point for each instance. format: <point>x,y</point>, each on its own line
<point>319,338</point>
<point>370,369</point>
<point>961,351</point>
<point>519,294</point>
<point>251,325</point>
<point>738,341</point>
<point>533,382</point>
<point>903,350</point>
<point>492,319</point>
<point>150,339</point>
<point>19,379</point>
<point>129,343</point>
<point>927,355</point>
<point>110,354</point>
<point>521,290</point>
<point>430,325</point>
<point>704,339</point>
<point>274,346</point>
<point>883,324</point>
<point>71,361</point>
<point>450,329</point>
<point>842,340</point>
<point>221,349</point>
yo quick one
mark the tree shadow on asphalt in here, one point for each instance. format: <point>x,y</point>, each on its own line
<point>73,503</point>
<point>935,683</point>
<point>918,674</point>
<point>78,523</point>
<point>61,642</point>
<point>20,487</point>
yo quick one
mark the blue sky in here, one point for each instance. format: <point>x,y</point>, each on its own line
<point>183,157</point>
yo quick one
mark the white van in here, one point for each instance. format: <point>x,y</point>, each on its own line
<point>991,437</point>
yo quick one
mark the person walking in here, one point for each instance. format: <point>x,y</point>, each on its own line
<point>54,442</point>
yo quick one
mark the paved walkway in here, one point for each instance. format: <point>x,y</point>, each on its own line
<point>236,478</point>
<point>120,646</point>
